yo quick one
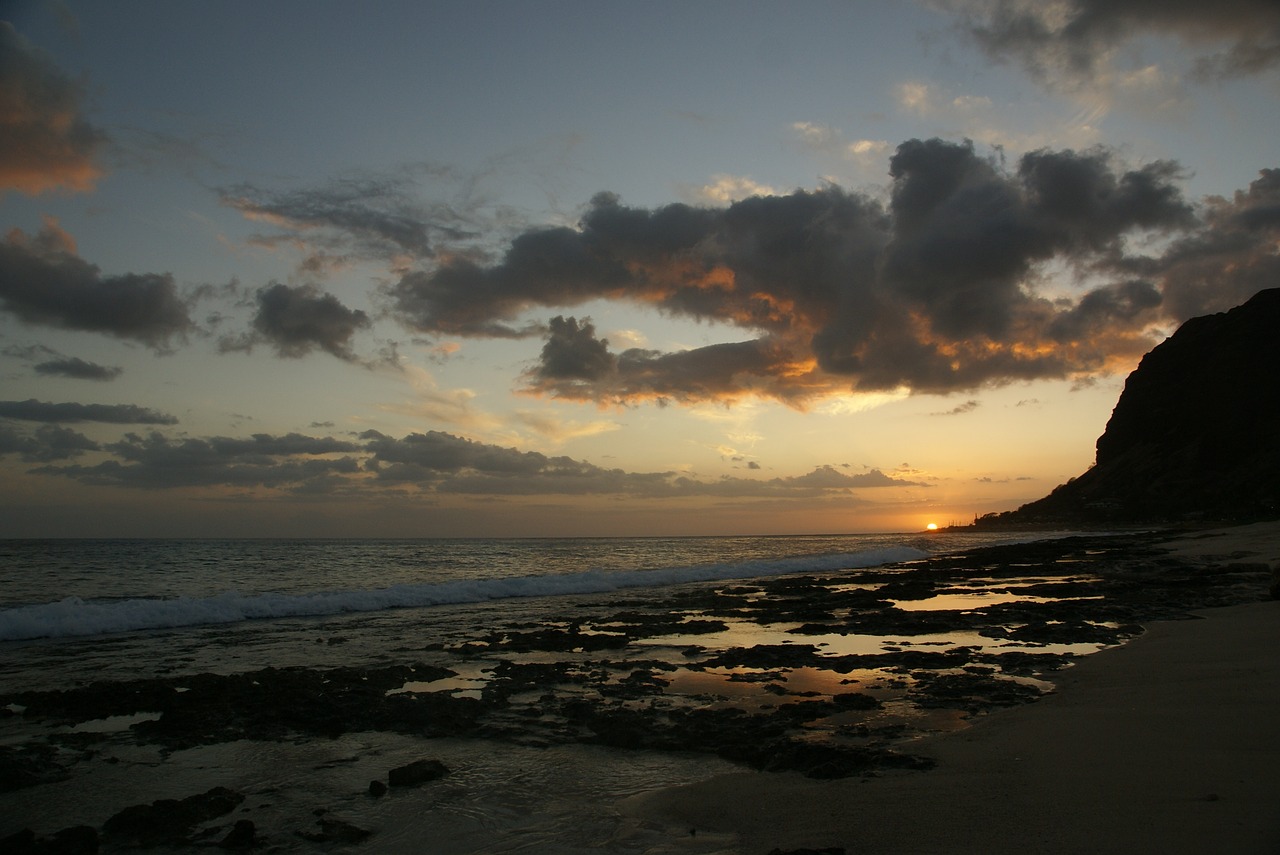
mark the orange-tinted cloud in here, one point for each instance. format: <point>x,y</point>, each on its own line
<point>45,142</point>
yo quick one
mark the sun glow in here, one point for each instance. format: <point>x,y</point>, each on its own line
<point>932,527</point>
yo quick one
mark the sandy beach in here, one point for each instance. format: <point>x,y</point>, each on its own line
<point>1165,744</point>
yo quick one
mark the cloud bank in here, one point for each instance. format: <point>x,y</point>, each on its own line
<point>424,464</point>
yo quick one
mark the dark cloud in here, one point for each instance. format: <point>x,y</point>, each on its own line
<point>429,456</point>
<point>297,320</point>
<point>1226,263</point>
<point>1123,305</point>
<point>121,414</point>
<point>78,369</point>
<point>51,363</point>
<point>935,291</point>
<point>575,365</point>
<point>46,143</point>
<point>43,281</point>
<point>1070,41</point>
<point>45,444</point>
<point>155,461</point>
<point>572,352</point>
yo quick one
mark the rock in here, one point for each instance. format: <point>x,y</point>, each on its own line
<point>856,701</point>
<point>27,765</point>
<point>417,772</point>
<point>1192,435</point>
<point>169,820</point>
<point>1275,581</point>
<point>336,831</point>
<point>377,789</point>
<point>242,836</point>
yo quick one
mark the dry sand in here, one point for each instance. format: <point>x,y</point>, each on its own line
<point>1168,744</point>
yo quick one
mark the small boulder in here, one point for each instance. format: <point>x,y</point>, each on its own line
<point>336,831</point>
<point>417,772</point>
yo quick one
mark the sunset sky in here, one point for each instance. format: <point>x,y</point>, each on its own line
<point>595,268</point>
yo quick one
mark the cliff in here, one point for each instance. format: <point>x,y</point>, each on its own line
<point>1195,434</point>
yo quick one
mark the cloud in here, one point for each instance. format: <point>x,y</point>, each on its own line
<point>935,291</point>
<point>426,463</point>
<point>456,465</point>
<point>45,142</point>
<point>67,413</point>
<point>51,363</point>
<point>557,430</point>
<point>78,369</point>
<point>157,462</point>
<point>723,189</point>
<point>43,282</point>
<point>1222,265</point>
<point>357,217</point>
<point>575,365</point>
<point>45,444</point>
<point>829,140</point>
<point>916,97</point>
<point>1075,42</point>
<point>829,476</point>
<point>966,407</point>
<point>297,320</point>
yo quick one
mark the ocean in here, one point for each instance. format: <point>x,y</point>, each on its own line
<point>73,612</point>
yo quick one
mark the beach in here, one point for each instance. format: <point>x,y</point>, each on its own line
<point>948,702</point>
<point>1165,744</point>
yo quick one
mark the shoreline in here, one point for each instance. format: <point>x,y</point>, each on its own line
<point>1165,743</point>
<point>839,676</point>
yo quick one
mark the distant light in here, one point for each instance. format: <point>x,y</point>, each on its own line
<point>932,526</point>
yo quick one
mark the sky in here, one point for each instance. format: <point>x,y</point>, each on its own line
<point>436,269</point>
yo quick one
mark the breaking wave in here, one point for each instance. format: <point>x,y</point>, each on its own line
<point>74,616</point>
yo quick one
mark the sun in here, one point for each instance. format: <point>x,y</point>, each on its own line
<point>932,527</point>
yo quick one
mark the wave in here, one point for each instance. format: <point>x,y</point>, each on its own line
<point>77,617</point>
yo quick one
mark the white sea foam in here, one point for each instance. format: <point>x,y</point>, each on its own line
<point>74,616</point>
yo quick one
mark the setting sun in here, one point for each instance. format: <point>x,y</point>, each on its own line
<point>932,527</point>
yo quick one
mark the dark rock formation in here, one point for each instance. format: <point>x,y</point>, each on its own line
<point>1194,436</point>
<point>169,821</point>
<point>417,772</point>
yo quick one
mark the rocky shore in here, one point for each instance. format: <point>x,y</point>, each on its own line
<point>823,676</point>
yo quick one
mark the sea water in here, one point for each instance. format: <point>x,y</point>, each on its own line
<point>75,611</point>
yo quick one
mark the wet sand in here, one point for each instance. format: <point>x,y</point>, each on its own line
<point>1166,744</point>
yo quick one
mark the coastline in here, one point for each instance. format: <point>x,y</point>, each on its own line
<point>1166,743</point>
<point>833,681</point>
